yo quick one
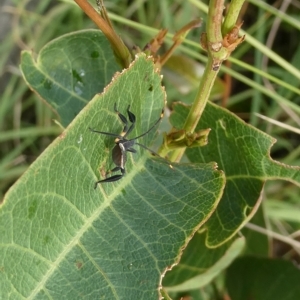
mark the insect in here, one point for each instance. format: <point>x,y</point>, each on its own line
<point>124,145</point>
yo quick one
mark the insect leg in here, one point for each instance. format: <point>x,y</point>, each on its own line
<point>132,150</point>
<point>131,117</point>
<point>112,178</point>
<point>123,119</point>
<point>151,151</point>
<point>154,153</point>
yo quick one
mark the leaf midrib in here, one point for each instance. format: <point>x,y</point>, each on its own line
<point>89,221</point>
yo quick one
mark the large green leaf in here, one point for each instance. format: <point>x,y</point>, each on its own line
<point>70,70</point>
<point>243,153</point>
<point>62,239</point>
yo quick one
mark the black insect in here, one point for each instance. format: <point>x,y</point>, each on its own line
<point>123,144</point>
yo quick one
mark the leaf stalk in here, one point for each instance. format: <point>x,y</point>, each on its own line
<point>219,41</point>
<point>121,51</point>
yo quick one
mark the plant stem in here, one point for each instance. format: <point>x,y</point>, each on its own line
<point>198,106</point>
<point>232,15</point>
<point>214,41</point>
<point>122,54</point>
<point>214,22</point>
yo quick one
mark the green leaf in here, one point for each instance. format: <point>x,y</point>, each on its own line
<point>199,265</point>
<point>62,239</point>
<point>243,153</point>
<point>70,70</point>
<point>263,279</point>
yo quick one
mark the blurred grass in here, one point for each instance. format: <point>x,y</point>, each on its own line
<point>262,77</point>
<point>26,123</point>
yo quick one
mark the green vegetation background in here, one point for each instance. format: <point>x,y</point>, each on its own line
<point>27,126</point>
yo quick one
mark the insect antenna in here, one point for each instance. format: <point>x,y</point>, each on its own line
<point>161,115</point>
